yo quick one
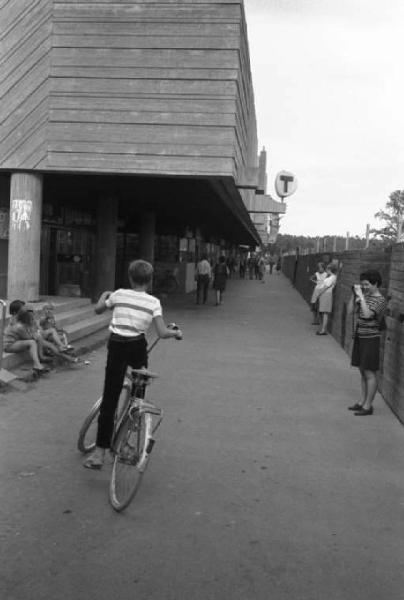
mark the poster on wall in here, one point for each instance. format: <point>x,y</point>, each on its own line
<point>4,223</point>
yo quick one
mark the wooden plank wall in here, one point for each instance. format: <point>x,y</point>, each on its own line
<point>25,45</point>
<point>390,264</point>
<point>393,366</point>
<point>140,86</point>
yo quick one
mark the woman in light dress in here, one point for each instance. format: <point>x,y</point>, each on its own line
<point>318,279</point>
<point>325,297</point>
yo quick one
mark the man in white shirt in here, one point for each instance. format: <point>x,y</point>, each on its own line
<point>203,275</point>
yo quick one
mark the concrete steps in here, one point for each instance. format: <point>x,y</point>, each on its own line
<point>76,316</point>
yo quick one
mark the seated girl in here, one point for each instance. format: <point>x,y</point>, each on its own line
<point>50,331</point>
<point>22,334</point>
<point>19,337</point>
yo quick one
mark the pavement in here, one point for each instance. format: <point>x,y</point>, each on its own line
<point>261,486</point>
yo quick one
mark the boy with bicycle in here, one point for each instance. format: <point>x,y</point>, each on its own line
<point>133,311</point>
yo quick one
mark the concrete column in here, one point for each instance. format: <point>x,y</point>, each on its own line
<point>147,235</point>
<point>105,247</point>
<point>24,246</point>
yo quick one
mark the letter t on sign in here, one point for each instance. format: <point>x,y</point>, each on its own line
<point>286,179</point>
<point>285,184</point>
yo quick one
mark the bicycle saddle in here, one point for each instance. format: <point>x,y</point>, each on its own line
<point>145,373</point>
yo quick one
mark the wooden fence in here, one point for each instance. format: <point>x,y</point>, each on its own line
<point>390,263</point>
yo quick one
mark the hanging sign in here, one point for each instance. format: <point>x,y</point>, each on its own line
<point>285,184</point>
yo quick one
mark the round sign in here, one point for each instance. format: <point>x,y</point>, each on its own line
<point>285,184</point>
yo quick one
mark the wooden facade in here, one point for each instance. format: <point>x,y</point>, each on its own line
<point>146,103</point>
<point>139,87</point>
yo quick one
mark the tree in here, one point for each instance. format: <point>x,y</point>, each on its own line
<point>392,216</point>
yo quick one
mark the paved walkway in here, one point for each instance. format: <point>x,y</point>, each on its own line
<point>263,486</point>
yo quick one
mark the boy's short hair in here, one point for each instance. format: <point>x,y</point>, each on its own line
<point>372,276</point>
<point>15,306</point>
<point>25,316</point>
<point>140,272</point>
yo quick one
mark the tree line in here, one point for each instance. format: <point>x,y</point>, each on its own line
<point>391,226</point>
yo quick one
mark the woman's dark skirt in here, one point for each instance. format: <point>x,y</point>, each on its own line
<point>366,353</point>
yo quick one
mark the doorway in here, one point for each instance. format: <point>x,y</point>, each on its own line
<point>67,256</point>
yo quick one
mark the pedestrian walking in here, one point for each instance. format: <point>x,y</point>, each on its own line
<point>251,266</point>
<point>278,265</point>
<point>368,306</point>
<point>203,275</point>
<point>220,275</point>
<point>271,262</point>
<point>242,267</point>
<point>261,264</point>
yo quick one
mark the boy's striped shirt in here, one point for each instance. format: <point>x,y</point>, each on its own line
<point>132,312</point>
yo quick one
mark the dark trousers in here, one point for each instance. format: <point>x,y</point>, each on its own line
<point>202,286</point>
<point>121,354</point>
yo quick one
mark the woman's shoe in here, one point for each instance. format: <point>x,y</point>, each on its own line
<point>355,407</point>
<point>321,333</point>
<point>364,412</point>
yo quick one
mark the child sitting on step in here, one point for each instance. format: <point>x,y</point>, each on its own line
<point>22,334</point>
<point>49,329</point>
<point>18,337</point>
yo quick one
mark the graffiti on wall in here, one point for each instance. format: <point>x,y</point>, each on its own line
<point>20,216</point>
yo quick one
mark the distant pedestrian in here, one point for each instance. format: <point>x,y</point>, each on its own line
<point>231,263</point>
<point>203,275</point>
<point>220,275</point>
<point>242,267</point>
<point>368,306</point>
<point>256,268</point>
<point>317,278</point>
<point>325,297</point>
<point>261,268</point>
<point>251,266</point>
<point>271,262</point>
<point>278,265</point>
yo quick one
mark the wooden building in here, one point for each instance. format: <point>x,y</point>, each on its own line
<point>127,129</point>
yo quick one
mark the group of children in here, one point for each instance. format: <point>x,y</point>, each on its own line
<point>37,334</point>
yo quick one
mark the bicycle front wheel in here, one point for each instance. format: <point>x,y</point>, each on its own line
<point>132,448</point>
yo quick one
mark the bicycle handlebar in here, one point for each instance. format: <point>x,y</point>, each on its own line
<point>172,326</point>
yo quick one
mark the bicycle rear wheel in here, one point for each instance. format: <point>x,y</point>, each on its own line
<point>132,448</point>
<point>88,431</point>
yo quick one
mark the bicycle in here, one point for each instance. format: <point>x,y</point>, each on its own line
<point>136,422</point>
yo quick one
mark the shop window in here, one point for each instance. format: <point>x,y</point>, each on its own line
<point>166,248</point>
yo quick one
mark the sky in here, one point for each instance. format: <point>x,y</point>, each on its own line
<point>328,80</point>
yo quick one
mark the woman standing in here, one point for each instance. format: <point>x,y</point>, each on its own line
<point>318,279</point>
<point>370,307</point>
<point>325,297</point>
